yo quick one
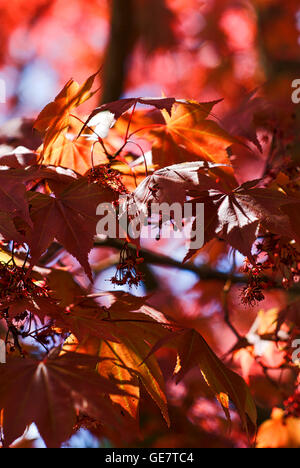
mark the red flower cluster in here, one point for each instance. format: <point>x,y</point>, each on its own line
<point>107,177</point>
<point>15,285</point>
<point>127,270</point>
<point>273,255</point>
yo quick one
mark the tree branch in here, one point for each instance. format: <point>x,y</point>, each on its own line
<point>121,43</point>
<point>204,272</point>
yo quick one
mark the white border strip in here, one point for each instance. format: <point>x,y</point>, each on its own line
<point>2,352</point>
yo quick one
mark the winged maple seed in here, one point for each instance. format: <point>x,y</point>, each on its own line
<point>80,358</point>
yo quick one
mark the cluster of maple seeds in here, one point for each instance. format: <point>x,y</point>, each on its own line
<point>280,257</point>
